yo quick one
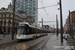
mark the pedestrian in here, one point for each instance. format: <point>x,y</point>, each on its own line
<point>4,34</point>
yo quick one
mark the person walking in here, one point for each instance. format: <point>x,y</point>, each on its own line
<point>4,34</point>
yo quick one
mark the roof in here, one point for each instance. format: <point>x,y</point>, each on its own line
<point>24,23</point>
<point>12,13</point>
<point>72,11</point>
<point>28,24</point>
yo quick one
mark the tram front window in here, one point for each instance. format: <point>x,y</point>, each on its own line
<point>21,30</point>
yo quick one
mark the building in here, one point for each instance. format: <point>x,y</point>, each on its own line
<point>28,6</point>
<point>70,23</point>
<point>6,18</point>
<point>49,28</point>
<point>65,28</point>
<point>10,6</point>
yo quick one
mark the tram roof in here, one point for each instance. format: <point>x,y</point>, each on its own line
<point>29,25</point>
<point>24,23</point>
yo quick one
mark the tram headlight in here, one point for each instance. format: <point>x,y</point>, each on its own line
<point>24,35</point>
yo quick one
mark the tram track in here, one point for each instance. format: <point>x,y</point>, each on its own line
<point>35,44</point>
<point>17,42</point>
<point>7,44</point>
<point>45,40</point>
<point>40,45</point>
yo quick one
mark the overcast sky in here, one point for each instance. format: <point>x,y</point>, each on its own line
<point>52,11</point>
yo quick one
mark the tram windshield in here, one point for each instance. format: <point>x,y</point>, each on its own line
<point>21,30</point>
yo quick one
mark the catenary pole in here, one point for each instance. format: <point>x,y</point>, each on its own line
<point>57,25</point>
<point>61,23</point>
<point>42,22</point>
<point>13,20</point>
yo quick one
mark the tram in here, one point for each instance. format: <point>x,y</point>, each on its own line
<point>26,31</point>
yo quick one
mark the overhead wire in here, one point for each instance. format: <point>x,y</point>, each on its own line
<point>39,8</point>
<point>47,7</point>
<point>39,15</point>
<point>42,4</point>
<point>5,1</point>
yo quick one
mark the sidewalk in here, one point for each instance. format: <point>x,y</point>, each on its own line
<point>70,40</point>
<point>54,43</point>
<point>7,38</point>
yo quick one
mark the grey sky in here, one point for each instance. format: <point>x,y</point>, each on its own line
<point>52,11</point>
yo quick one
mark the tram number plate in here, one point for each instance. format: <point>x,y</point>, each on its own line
<point>19,36</point>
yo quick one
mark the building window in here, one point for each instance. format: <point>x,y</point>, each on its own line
<point>33,1</point>
<point>1,15</point>
<point>0,23</point>
<point>1,19</point>
<point>33,4</point>
<point>9,23</point>
<point>9,15</point>
<point>5,23</point>
<point>5,15</point>
<point>26,0</point>
<point>4,19</point>
<point>9,20</point>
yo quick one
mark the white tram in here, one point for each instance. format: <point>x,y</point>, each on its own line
<point>26,31</point>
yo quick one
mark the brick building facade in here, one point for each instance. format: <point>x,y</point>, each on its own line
<point>70,23</point>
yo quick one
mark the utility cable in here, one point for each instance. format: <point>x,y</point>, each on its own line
<point>42,4</point>
<point>48,6</point>
<point>5,1</point>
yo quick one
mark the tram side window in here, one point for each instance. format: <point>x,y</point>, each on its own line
<point>30,30</point>
<point>34,31</point>
<point>27,30</point>
<point>24,31</point>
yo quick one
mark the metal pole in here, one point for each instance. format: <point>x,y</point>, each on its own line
<point>57,25</point>
<point>36,31</point>
<point>61,23</point>
<point>13,20</point>
<point>53,28</point>
<point>42,22</point>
